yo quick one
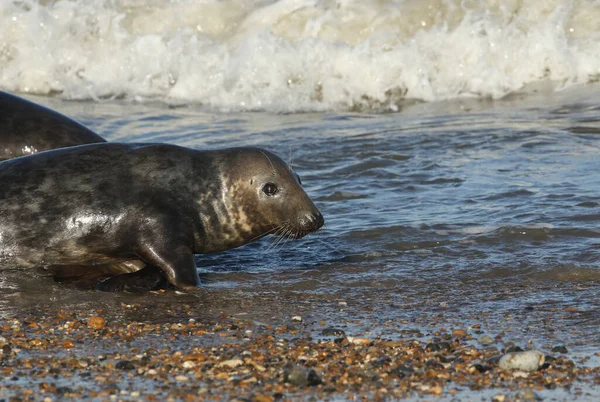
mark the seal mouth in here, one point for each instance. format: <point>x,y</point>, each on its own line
<point>307,224</point>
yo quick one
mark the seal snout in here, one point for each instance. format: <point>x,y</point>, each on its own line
<point>310,222</point>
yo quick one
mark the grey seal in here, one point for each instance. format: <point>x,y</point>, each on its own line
<point>27,128</point>
<point>137,213</point>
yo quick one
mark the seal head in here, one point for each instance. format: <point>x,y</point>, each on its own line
<point>259,195</point>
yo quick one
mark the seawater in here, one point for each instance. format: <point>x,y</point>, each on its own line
<point>451,146</point>
<point>296,55</point>
<point>443,216</point>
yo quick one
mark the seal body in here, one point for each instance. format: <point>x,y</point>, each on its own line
<point>110,209</point>
<point>27,128</point>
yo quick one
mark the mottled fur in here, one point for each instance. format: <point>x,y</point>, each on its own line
<point>27,128</point>
<point>109,209</point>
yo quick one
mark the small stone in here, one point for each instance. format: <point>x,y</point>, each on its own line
<point>437,390</point>
<point>263,398</point>
<point>330,331</point>
<point>402,371</point>
<point>359,341</point>
<point>527,395</point>
<point>300,376</point>
<point>296,318</point>
<point>530,360</point>
<point>513,349</point>
<point>60,391</point>
<point>494,359</point>
<point>188,364</point>
<point>382,361</point>
<point>498,398</point>
<point>232,363</point>
<point>480,368</point>
<point>196,357</point>
<point>459,333</point>
<point>68,344</point>
<point>438,346</point>
<point>560,349</point>
<point>125,365</point>
<point>96,322</point>
<point>181,378</point>
<point>485,340</point>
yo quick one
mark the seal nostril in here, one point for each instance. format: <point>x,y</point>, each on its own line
<point>318,219</point>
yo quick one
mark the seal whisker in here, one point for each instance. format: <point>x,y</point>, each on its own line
<point>289,236</point>
<point>277,233</point>
<point>291,158</point>
<point>282,235</point>
<point>269,159</point>
<point>282,238</point>
<point>264,234</point>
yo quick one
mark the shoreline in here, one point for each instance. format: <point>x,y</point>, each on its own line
<point>100,355</point>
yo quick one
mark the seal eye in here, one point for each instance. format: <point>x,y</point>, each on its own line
<point>270,189</point>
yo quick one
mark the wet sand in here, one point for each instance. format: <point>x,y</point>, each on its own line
<point>266,346</point>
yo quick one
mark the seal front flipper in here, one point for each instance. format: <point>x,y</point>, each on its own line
<point>144,280</point>
<point>176,263</point>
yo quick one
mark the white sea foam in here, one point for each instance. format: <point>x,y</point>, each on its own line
<point>295,55</point>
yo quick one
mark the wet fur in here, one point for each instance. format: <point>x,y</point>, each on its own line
<point>107,209</point>
<point>27,128</point>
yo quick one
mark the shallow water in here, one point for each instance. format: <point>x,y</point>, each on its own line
<point>443,216</point>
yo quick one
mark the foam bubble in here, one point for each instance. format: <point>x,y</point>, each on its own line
<point>296,55</point>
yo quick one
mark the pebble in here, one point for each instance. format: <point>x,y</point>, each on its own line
<point>297,318</point>
<point>330,331</point>
<point>459,333</point>
<point>125,365</point>
<point>232,363</point>
<point>402,371</point>
<point>96,322</point>
<point>527,395</point>
<point>530,360</point>
<point>438,346</point>
<point>301,376</point>
<point>186,361</point>
<point>189,364</point>
<point>560,349</point>
<point>359,341</point>
<point>485,340</point>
